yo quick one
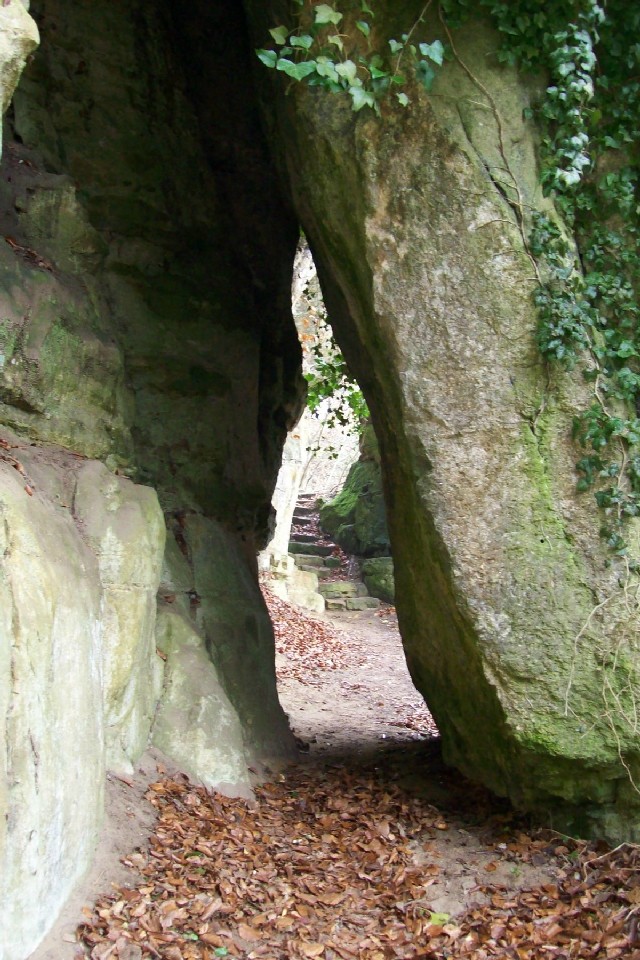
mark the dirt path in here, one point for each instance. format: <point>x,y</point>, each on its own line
<point>355,691</point>
<point>367,849</point>
<point>349,696</point>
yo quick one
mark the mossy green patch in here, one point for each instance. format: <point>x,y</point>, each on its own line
<point>356,517</point>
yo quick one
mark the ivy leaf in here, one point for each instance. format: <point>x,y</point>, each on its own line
<point>347,70</point>
<point>298,71</point>
<point>364,6</point>
<point>376,73</point>
<point>363,27</point>
<point>305,41</point>
<point>268,57</point>
<point>361,98</point>
<point>426,74</point>
<point>403,99</point>
<point>434,51</point>
<point>396,47</point>
<point>336,41</point>
<point>280,35</point>
<point>626,349</point>
<point>327,68</point>
<point>327,14</point>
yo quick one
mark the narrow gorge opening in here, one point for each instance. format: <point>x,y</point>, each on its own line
<point>327,572</point>
<point>153,185</point>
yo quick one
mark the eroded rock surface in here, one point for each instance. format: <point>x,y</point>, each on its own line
<point>81,555</point>
<point>145,325</point>
<point>146,337</point>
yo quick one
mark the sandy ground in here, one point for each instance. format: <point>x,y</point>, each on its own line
<point>364,704</point>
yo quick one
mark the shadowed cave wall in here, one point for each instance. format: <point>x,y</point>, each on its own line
<point>163,342</point>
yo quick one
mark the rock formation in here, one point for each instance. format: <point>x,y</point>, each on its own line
<point>149,370</point>
<point>513,618</point>
<point>356,517</point>
<point>145,333</point>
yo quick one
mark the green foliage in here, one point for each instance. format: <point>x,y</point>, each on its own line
<point>331,384</point>
<point>318,54</point>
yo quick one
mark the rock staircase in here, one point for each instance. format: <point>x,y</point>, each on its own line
<point>315,553</point>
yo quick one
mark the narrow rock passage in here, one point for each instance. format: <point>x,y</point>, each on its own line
<point>365,850</point>
<point>343,680</point>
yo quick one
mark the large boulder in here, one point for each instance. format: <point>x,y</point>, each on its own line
<point>516,624</point>
<point>356,517</point>
<point>80,558</point>
<point>379,579</point>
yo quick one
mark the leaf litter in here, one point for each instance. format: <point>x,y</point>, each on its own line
<point>350,858</point>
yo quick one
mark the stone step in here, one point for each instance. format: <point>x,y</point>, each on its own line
<point>317,549</point>
<point>311,560</point>
<point>322,573</point>
<point>303,512</point>
<point>336,604</point>
<point>303,537</point>
<point>342,588</point>
<point>359,603</point>
<point>315,560</point>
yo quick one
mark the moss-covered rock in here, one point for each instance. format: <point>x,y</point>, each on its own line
<point>146,317</point>
<point>356,518</point>
<point>377,574</point>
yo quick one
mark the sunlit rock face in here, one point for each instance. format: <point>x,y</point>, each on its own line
<point>500,570</point>
<point>81,559</point>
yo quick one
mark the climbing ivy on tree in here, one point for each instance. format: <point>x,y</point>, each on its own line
<point>588,263</point>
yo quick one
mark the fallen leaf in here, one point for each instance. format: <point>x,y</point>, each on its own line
<point>248,933</point>
<point>308,949</point>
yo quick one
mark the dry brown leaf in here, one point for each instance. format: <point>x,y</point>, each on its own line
<point>324,862</point>
<point>248,933</point>
<point>309,949</point>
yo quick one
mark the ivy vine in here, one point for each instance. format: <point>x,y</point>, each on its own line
<point>318,54</point>
<point>587,297</point>
<point>588,300</point>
